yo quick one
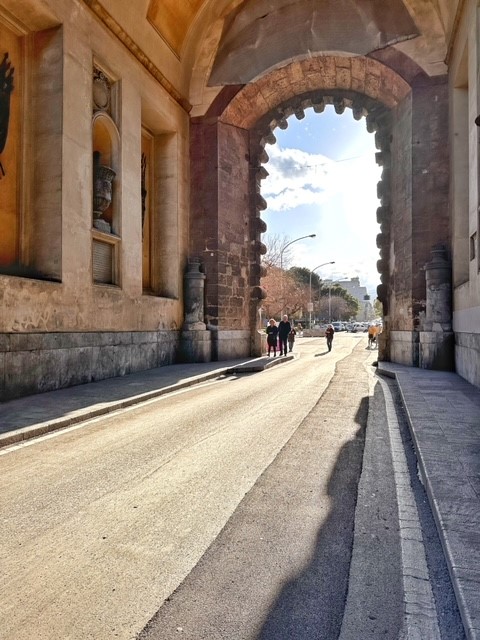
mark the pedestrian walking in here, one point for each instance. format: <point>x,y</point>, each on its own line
<point>291,339</point>
<point>329,333</point>
<point>284,329</point>
<point>272,334</point>
<point>372,335</point>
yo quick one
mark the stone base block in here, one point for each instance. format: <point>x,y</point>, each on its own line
<point>196,346</point>
<point>404,347</point>
<point>230,345</point>
<point>436,350</point>
<point>467,356</point>
<point>259,343</point>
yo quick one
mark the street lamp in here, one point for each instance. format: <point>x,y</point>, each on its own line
<point>310,306</point>
<point>312,235</point>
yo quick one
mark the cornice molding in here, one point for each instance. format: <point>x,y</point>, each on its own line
<point>115,28</point>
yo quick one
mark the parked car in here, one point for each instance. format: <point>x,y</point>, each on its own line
<point>338,326</point>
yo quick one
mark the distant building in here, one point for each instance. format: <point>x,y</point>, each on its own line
<point>356,290</point>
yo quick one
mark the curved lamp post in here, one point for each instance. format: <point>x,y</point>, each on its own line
<point>311,271</point>
<point>312,235</point>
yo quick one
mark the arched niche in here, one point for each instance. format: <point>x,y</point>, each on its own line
<point>105,156</point>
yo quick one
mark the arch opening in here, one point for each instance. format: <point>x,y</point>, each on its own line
<point>322,178</point>
<point>378,121</point>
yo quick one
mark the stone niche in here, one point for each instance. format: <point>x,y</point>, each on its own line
<point>31,183</point>
<point>105,168</point>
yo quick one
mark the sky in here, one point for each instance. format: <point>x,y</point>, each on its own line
<point>323,179</point>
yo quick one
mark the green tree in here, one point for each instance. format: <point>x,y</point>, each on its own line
<point>302,275</point>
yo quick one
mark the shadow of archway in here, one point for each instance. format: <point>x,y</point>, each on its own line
<point>311,604</point>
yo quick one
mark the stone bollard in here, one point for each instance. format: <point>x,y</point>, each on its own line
<point>193,296</point>
<point>196,345</point>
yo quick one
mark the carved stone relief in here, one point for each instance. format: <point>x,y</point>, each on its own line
<point>101,91</point>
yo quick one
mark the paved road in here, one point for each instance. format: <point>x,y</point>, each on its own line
<point>227,510</point>
<point>100,523</point>
<point>279,569</point>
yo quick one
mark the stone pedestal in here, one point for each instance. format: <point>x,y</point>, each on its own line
<point>436,349</point>
<point>259,343</point>
<point>196,346</point>
<point>195,340</point>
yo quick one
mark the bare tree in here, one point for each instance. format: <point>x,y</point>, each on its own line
<point>275,248</point>
<point>286,291</point>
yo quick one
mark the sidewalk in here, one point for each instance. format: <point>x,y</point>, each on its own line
<point>443,411</point>
<point>32,416</point>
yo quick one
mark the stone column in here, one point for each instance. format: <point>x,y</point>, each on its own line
<point>437,338</point>
<point>195,339</point>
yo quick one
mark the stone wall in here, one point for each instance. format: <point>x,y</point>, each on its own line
<point>58,324</point>
<point>419,212</point>
<point>430,181</point>
<point>38,362</point>
<point>467,356</point>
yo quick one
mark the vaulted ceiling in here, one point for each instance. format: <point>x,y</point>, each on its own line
<point>206,44</point>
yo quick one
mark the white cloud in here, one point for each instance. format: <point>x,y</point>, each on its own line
<point>311,193</point>
<point>298,178</point>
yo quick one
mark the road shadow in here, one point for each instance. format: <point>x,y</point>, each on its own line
<point>311,604</point>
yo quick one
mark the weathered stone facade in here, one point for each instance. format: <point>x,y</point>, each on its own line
<point>180,111</point>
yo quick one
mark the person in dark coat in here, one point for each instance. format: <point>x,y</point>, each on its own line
<point>329,333</point>
<point>272,333</point>
<point>284,329</point>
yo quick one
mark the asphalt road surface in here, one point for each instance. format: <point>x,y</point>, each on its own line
<point>223,511</point>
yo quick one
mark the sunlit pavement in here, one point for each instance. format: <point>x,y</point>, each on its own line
<point>443,412</point>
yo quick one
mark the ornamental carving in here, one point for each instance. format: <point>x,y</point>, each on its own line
<point>101,91</point>
<point>6,88</point>
<point>144,189</point>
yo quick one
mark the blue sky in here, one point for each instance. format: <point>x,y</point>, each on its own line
<point>323,179</point>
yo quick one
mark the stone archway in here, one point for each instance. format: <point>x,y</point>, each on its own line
<point>228,153</point>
